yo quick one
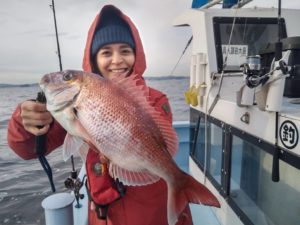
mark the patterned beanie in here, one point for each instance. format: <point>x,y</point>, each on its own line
<point>112,29</point>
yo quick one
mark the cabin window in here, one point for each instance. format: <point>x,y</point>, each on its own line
<point>199,148</point>
<point>252,190</point>
<point>248,37</point>
<point>214,153</point>
<point>213,162</point>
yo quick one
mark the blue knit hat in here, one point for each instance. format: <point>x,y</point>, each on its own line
<point>112,29</point>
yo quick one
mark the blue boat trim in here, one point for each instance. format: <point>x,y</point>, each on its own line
<point>198,3</point>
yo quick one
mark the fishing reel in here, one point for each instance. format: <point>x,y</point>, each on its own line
<point>254,76</point>
<point>74,184</point>
<point>252,71</point>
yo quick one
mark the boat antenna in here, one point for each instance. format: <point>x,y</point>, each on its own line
<point>52,6</point>
<point>278,56</point>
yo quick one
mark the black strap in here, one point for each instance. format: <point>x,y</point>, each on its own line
<point>40,147</point>
<point>101,210</point>
<point>48,170</point>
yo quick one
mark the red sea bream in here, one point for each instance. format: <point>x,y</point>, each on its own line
<point>116,117</point>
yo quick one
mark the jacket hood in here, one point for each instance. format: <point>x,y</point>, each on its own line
<point>140,61</point>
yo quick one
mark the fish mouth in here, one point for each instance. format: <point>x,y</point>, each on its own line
<point>65,104</point>
<point>61,97</point>
<point>61,89</point>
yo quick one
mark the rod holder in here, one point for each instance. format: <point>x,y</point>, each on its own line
<point>59,209</point>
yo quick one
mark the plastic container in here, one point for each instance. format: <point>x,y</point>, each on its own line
<point>59,209</point>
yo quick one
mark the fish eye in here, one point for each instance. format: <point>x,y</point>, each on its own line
<point>67,76</point>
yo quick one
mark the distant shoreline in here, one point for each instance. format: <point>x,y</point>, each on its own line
<point>17,85</point>
<point>4,85</point>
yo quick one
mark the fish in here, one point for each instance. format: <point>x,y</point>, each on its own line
<point>117,117</point>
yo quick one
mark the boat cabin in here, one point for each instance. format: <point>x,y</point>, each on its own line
<point>245,111</point>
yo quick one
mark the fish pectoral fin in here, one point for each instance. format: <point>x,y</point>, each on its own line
<point>132,178</point>
<point>83,151</point>
<point>74,146</point>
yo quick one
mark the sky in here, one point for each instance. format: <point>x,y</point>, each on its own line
<point>28,45</point>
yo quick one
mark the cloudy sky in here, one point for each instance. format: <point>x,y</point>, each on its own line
<point>28,44</point>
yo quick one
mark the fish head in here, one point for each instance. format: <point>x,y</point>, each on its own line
<point>61,88</point>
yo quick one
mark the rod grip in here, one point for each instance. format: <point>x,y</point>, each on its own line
<point>40,141</point>
<point>275,166</point>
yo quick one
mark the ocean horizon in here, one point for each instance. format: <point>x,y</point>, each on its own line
<point>146,78</point>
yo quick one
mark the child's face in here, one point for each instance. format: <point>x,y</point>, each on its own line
<point>115,59</point>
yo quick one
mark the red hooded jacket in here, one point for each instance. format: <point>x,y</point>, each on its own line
<point>141,205</point>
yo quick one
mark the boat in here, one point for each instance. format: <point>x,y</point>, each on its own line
<point>242,140</point>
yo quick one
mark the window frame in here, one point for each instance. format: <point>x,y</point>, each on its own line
<point>217,21</point>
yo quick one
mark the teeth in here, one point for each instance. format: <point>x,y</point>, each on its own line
<point>118,70</point>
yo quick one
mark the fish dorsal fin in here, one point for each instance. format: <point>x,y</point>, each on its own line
<point>130,177</point>
<point>140,93</point>
<point>74,146</point>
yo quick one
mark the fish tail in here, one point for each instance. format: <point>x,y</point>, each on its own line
<point>190,192</point>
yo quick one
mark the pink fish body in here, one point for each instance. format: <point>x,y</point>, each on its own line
<point>116,117</point>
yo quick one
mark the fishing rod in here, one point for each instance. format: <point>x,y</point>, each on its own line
<point>254,78</point>
<point>278,56</point>
<point>41,140</point>
<point>73,182</point>
<point>52,6</point>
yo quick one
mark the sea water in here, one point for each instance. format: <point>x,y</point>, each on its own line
<point>23,183</point>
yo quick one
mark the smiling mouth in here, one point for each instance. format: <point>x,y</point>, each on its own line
<point>123,70</point>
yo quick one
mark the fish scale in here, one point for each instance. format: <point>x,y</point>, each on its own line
<point>109,122</point>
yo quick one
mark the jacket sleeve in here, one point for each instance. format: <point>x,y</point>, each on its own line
<point>23,142</point>
<point>161,104</point>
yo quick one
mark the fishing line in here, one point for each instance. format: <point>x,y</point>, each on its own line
<point>224,64</point>
<point>208,112</point>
